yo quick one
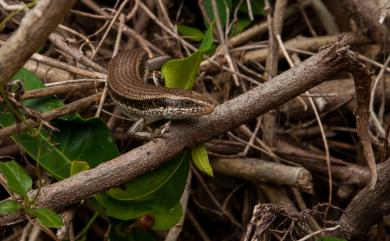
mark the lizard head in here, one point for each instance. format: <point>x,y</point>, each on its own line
<point>186,105</point>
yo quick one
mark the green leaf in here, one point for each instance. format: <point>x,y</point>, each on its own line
<point>240,25</point>
<point>329,239</point>
<point>46,217</point>
<point>76,140</point>
<point>9,207</point>
<point>181,73</point>
<point>189,32</point>
<point>38,145</point>
<point>167,220</point>
<point>208,39</point>
<point>160,201</point>
<point>147,184</point>
<point>201,159</point>
<point>17,179</point>
<point>223,7</point>
<point>78,166</point>
<point>85,139</point>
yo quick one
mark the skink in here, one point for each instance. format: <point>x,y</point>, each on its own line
<point>139,100</point>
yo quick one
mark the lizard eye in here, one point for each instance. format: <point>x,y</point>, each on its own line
<point>187,103</point>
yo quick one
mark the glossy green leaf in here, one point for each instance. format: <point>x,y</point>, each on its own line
<point>17,179</point>
<point>78,166</point>
<point>46,217</point>
<point>160,201</point>
<point>9,207</point>
<point>167,220</point>
<point>223,7</point>
<point>189,32</point>
<point>181,73</point>
<point>77,139</point>
<point>123,210</point>
<point>208,39</point>
<point>42,149</point>
<point>88,140</point>
<point>147,184</point>
<point>201,159</point>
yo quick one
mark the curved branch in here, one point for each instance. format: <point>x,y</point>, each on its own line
<point>363,212</point>
<point>184,134</point>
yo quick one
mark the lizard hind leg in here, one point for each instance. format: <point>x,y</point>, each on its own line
<point>135,131</point>
<point>159,132</point>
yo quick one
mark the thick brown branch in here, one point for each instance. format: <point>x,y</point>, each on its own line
<point>362,82</point>
<point>184,134</point>
<point>258,170</point>
<point>32,33</point>
<point>61,89</point>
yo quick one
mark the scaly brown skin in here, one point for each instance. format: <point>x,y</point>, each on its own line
<point>140,100</point>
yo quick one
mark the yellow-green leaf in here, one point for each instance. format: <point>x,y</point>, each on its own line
<point>208,39</point>
<point>9,206</point>
<point>46,217</point>
<point>201,159</point>
<point>78,166</point>
<point>181,73</point>
<point>189,32</point>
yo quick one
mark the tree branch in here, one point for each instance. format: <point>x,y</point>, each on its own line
<point>367,15</point>
<point>184,134</point>
<point>364,210</point>
<point>32,33</point>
